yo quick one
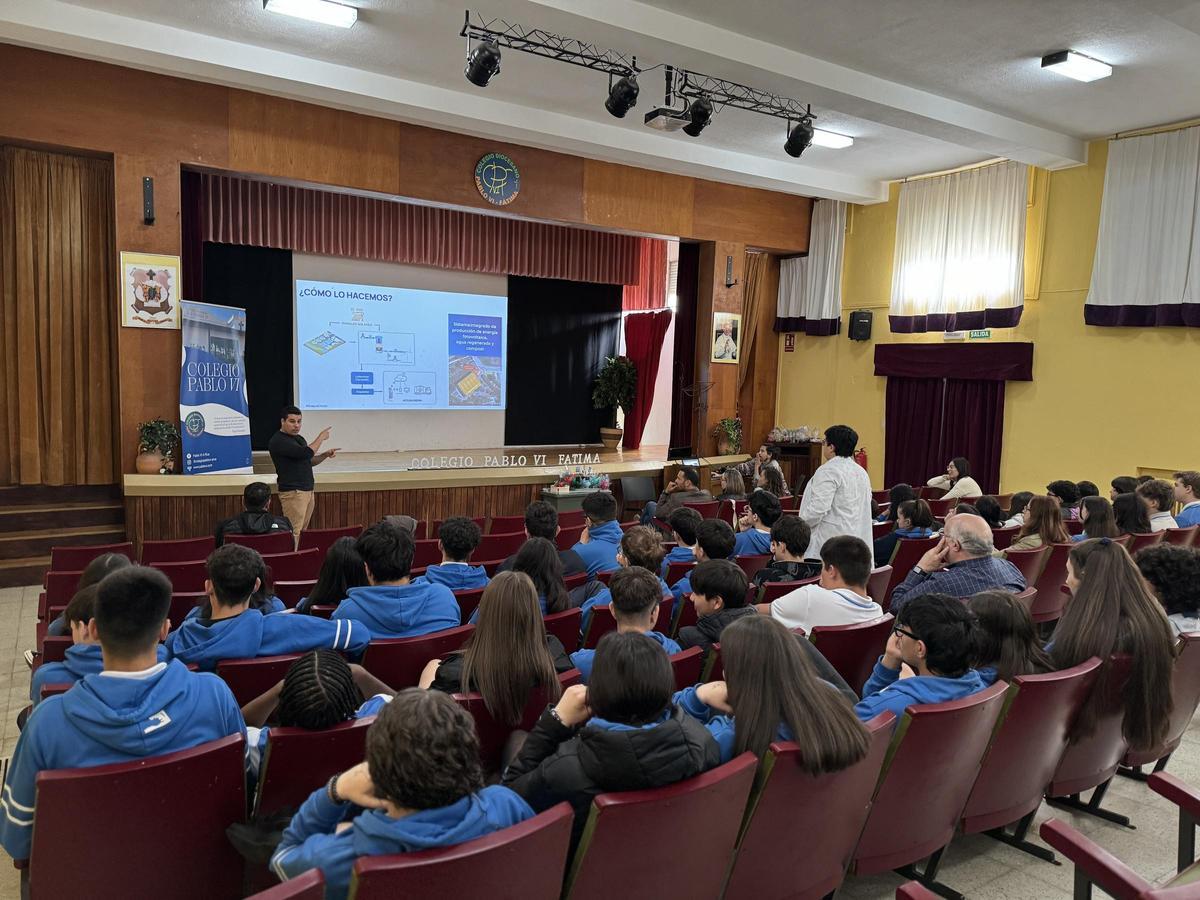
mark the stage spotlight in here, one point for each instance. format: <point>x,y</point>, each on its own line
<point>482,63</point>
<point>700,112</point>
<point>799,138</point>
<point>622,96</point>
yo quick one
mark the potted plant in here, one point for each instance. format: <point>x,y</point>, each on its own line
<point>156,447</point>
<point>728,433</point>
<point>616,385</point>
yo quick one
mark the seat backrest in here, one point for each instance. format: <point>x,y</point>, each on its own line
<point>308,885</point>
<point>877,584</point>
<point>1030,563</point>
<point>292,592</point>
<point>468,602</point>
<point>853,649</point>
<point>1073,526</point>
<point>323,538</point>
<point>925,492</point>
<point>436,526</point>
<point>687,665</point>
<point>295,565</point>
<point>398,662</point>
<point>753,564</point>
<point>1003,536</point>
<point>1138,541</point>
<point>181,605</point>
<point>297,761</point>
<point>525,860</point>
<point>908,552</point>
<point>60,587</point>
<point>773,590</point>
<point>506,524</point>
<point>790,502</point>
<point>76,559</point>
<point>1054,571</point>
<point>494,735</point>
<point>568,536</point>
<point>602,621</point>
<point>426,553</point>
<point>701,815</point>
<point>273,542</point>
<point>880,529</point>
<point>571,518</point>
<point>1027,746</point>
<point>677,570</point>
<point>714,668</point>
<point>934,759</point>
<point>1185,697</point>
<point>1093,760</point>
<point>706,508</point>
<point>1183,537</point>
<point>565,626</point>
<point>185,577</point>
<point>499,546</point>
<point>186,550</point>
<point>96,826</point>
<point>940,507</point>
<point>800,829</point>
<point>54,649</point>
<point>605,577</point>
<point>635,489</point>
<point>248,678</point>
<point>570,582</point>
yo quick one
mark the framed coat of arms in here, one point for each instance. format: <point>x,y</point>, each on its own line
<point>149,290</point>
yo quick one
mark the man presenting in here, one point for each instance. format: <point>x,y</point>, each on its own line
<point>294,459</point>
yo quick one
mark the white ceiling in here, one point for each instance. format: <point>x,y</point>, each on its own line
<point>922,85</point>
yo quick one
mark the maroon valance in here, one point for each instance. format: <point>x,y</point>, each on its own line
<point>1003,361</point>
<point>233,210</point>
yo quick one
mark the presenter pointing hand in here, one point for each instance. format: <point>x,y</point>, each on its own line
<point>294,458</point>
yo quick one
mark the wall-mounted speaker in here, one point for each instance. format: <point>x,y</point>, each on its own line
<point>148,200</point>
<point>860,325</point>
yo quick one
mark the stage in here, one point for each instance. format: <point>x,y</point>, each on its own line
<point>360,488</point>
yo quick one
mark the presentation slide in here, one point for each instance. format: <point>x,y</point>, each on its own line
<point>376,347</point>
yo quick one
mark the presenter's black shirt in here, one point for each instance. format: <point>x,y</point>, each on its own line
<point>292,458</point>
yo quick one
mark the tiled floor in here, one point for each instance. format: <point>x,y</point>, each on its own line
<point>978,866</point>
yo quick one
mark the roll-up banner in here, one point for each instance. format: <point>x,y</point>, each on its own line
<point>213,408</point>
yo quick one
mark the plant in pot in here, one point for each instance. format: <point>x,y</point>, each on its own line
<point>728,433</point>
<point>616,385</point>
<point>156,447</point>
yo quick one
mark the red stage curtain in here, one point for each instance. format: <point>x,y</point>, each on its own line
<point>259,214</point>
<point>913,431</point>
<point>650,292</point>
<point>644,335</point>
<point>973,426</point>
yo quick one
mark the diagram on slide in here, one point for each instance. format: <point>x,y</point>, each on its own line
<point>409,388</point>
<point>323,343</point>
<point>386,347</point>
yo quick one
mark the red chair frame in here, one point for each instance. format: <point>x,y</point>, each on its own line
<point>398,662</point>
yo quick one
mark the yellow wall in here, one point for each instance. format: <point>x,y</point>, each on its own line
<point>1103,401</point>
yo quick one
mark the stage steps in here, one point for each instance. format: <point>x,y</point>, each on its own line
<point>35,518</point>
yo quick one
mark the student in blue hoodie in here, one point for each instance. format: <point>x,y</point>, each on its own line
<point>457,538</point>
<point>598,545</point>
<point>391,605</point>
<point>934,635</point>
<point>234,631</point>
<point>641,547</point>
<point>684,523</point>
<point>137,707</point>
<point>714,540</point>
<point>754,528</point>
<point>420,788</point>
<point>636,594</point>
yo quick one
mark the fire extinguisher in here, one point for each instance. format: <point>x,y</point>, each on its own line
<point>860,457</point>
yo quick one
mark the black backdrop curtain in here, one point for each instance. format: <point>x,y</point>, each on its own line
<point>683,376</point>
<point>258,280</point>
<point>559,333</point>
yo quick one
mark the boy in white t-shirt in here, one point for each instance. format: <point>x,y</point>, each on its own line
<point>840,598</point>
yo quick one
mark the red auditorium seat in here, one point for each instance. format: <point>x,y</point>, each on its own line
<point>853,649</point>
<point>301,565</point>
<point>186,550</point>
<point>739,509</point>
<point>1184,537</point>
<point>506,524</point>
<point>398,662</point>
<point>297,761</point>
<point>323,538</point>
<point>881,497</point>
<point>1025,752</point>
<point>490,566</point>
<point>426,553</point>
<point>51,690</point>
<point>1073,526</point>
<point>725,511</point>
<point>702,815</point>
<point>800,829</point>
<point>914,890</point>
<point>687,665</point>
<point>877,585</point>
<point>494,735</point>
<point>927,493</point>
<point>602,621</point>
<point>707,508</point>
<point>603,577</point>
<point>76,559</point>
<point>570,582</point>
<point>753,564</point>
<point>436,525</point>
<point>882,529</point>
<point>677,570</point>
<point>908,552</point>
<point>81,849</point>
<point>714,669</point>
<point>926,784</point>
<point>568,536</point>
<point>790,502</point>
<point>571,519</point>
<point>185,577</point>
<point>273,542</point>
<point>60,587</point>
<point>625,526</point>
<point>499,546</point>
<point>565,626</point>
<point>1030,563</point>
<point>308,885</point>
<point>292,592</point>
<point>684,616</point>
<point>1138,541</point>
<point>468,602</point>
<point>247,678</point>
<point>773,590</point>
<point>421,530</point>
<point>181,605</point>
<point>1053,574</point>
<point>939,508</point>
<point>54,649</point>
<point>1185,696</point>
<point>526,860</point>
<point>1002,537</point>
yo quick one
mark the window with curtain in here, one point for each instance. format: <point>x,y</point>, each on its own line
<point>960,251</point>
<point>810,287</point>
<point>1147,265</point>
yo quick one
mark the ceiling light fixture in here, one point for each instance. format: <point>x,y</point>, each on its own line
<point>700,113</point>
<point>1076,65</point>
<point>324,11</point>
<point>799,138</point>
<point>622,96</point>
<point>483,63</point>
<point>831,140</point>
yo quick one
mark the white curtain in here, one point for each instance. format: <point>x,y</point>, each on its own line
<point>960,250</point>
<point>1148,248</point>
<point>810,287</point>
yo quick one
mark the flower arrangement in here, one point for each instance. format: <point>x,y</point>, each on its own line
<point>158,436</point>
<point>580,480</point>
<point>781,435</point>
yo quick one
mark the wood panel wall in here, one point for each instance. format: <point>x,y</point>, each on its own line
<point>721,400</point>
<point>155,124</point>
<point>756,402</point>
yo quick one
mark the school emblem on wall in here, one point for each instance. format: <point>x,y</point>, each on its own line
<point>497,179</point>
<point>149,290</point>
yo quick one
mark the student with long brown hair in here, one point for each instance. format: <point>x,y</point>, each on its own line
<point>1098,519</point>
<point>772,692</point>
<point>1131,513</point>
<point>1112,611</point>
<point>508,655</point>
<point>1043,526</point>
<point>1006,640</point>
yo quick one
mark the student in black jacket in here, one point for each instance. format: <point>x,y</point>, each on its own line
<point>789,542</point>
<point>719,590</point>
<point>620,733</point>
<point>256,518</point>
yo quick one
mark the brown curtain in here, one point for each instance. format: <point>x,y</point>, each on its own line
<point>754,301</point>
<point>58,282</point>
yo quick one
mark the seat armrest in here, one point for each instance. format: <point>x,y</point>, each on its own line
<point>1095,863</point>
<point>1186,797</point>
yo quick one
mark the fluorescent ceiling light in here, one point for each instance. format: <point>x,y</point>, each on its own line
<point>324,11</point>
<point>830,139</point>
<point>1076,65</point>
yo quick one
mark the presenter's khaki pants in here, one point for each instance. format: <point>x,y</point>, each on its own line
<point>298,508</point>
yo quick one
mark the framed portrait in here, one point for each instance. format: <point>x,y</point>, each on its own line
<point>149,290</point>
<point>726,337</point>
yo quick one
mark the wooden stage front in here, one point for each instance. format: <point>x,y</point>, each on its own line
<point>360,488</point>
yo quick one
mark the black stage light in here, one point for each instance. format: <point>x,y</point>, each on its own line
<point>700,112</point>
<point>622,96</point>
<point>482,63</point>
<point>799,138</point>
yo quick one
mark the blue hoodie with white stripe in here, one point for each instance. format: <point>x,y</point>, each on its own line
<point>401,610</point>
<point>205,642</point>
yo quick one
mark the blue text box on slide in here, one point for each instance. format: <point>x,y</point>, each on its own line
<point>362,377</point>
<point>475,335</point>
